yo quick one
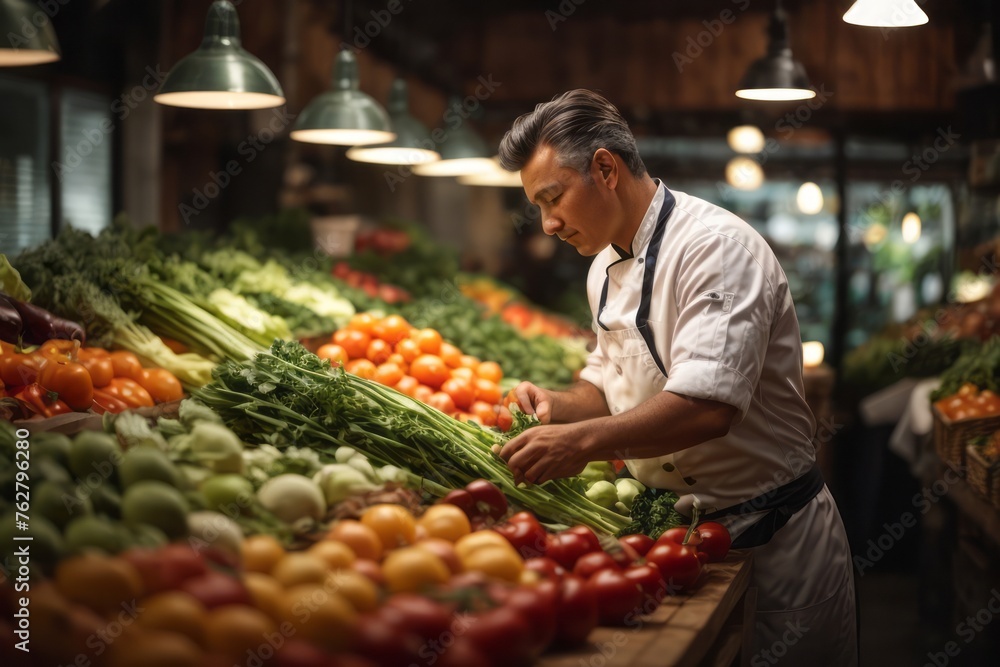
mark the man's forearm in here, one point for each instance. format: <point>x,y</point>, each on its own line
<point>664,424</point>
<point>580,402</point>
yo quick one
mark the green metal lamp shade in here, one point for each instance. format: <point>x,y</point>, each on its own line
<point>777,76</point>
<point>344,116</point>
<point>412,145</point>
<point>221,74</point>
<point>463,152</point>
<point>25,43</point>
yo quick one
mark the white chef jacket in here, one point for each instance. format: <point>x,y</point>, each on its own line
<point>700,306</point>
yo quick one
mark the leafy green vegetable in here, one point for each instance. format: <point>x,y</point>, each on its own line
<point>10,281</point>
<point>979,365</point>
<point>289,396</point>
<point>653,513</point>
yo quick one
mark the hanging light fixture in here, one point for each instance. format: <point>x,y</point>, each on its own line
<point>344,116</point>
<point>412,144</point>
<point>885,13</point>
<point>497,177</point>
<point>745,139</point>
<point>777,77</point>
<point>463,152</point>
<point>744,174</point>
<point>221,74</point>
<point>809,198</point>
<point>910,228</point>
<point>27,43</point>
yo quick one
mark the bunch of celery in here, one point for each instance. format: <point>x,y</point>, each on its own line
<point>289,396</point>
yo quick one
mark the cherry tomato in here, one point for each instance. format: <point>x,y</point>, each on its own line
<point>641,543</point>
<point>679,564</point>
<point>577,612</point>
<point>593,544</point>
<point>715,540</point>
<point>595,561</point>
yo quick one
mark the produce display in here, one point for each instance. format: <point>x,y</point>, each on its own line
<point>418,363</point>
<point>969,403</point>
<point>511,308</point>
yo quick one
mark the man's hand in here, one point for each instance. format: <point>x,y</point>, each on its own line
<point>548,452</point>
<point>535,401</point>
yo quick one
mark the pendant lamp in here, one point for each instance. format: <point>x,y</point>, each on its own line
<point>25,42</point>
<point>221,74</point>
<point>412,144</point>
<point>463,152</point>
<point>886,13</point>
<point>777,77</point>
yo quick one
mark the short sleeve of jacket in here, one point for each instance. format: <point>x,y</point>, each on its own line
<point>724,305</point>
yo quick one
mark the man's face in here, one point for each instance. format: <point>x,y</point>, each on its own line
<point>574,208</point>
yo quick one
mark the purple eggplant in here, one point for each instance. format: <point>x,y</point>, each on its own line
<point>11,324</point>
<point>39,325</point>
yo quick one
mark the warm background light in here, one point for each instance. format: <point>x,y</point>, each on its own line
<point>744,174</point>
<point>911,227</point>
<point>745,139</point>
<point>809,198</point>
<point>812,354</point>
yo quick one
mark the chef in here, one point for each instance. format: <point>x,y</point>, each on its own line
<point>696,380</point>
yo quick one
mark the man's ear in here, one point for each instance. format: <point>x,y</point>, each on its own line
<point>604,168</point>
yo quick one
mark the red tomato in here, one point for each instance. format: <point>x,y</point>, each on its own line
<point>641,543</point>
<point>618,597</point>
<point>623,554</point>
<point>546,567</point>
<point>595,561</point>
<point>678,564</point>
<point>489,499</point>
<point>577,611</point>
<point>385,641</point>
<point>298,653</point>
<point>537,605</point>
<point>418,614</point>
<point>215,589</point>
<point>166,568</point>
<point>678,534</point>
<point>525,534</point>
<point>463,500</point>
<point>566,548</point>
<point>460,654</point>
<point>593,544</point>
<point>502,634</point>
<point>715,540</point>
<point>654,589</point>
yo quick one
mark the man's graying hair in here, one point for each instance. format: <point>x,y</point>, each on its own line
<point>575,124</point>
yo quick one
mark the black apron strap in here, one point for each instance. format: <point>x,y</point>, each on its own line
<point>780,503</point>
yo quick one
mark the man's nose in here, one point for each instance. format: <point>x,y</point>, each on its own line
<point>551,225</point>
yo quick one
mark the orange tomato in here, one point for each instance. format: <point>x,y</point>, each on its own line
<point>429,341</point>
<point>464,373</point>
<point>361,367</point>
<point>468,361</point>
<point>392,329</point>
<point>488,391</point>
<point>101,369</point>
<point>423,393</point>
<point>70,381</point>
<point>161,384</point>
<point>407,384</point>
<point>362,540</point>
<point>485,412</point>
<point>388,374</point>
<point>19,369</point>
<point>261,553</point>
<point>429,370</point>
<point>354,342</point>
<point>130,391</point>
<point>378,351</point>
<point>126,365</point>
<point>445,521</point>
<point>335,353</point>
<point>504,419</point>
<point>399,361</point>
<point>393,524</point>
<point>461,392</point>
<point>411,569</point>
<point>450,355</point>
<point>363,322</point>
<point>490,370</point>
<point>409,349</point>
<point>442,402</point>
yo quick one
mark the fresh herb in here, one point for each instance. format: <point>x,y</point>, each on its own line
<point>653,513</point>
<point>290,397</point>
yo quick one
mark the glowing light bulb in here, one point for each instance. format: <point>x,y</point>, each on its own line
<point>809,198</point>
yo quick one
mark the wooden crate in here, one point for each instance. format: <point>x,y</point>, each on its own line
<point>983,476</point>
<point>951,437</point>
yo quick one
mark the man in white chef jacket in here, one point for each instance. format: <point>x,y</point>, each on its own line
<point>696,380</point>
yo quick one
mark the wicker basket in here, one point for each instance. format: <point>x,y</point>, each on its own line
<point>983,476</point>
<point>951,437</point>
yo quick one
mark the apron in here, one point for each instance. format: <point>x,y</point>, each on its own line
<point>802,566</point>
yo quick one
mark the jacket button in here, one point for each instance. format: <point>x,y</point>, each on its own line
<point>617,409</point>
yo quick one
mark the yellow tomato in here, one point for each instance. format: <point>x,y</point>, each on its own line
<point>320,616</point>
<point>102,583</point>
<point>153,649</point>
<point>300,568</point>
<point>175,611</point>
<point>356,588</point>
<point>267,594</point>
<point>393,524</point>
<point>495,561</point>
<point>411,569</point>
<point>261,553</point>
<point>445,521</point>
<point>233,630</point>
<point>335,554</point>
<point>362,540</point>
<point>479,539</point>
